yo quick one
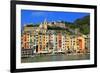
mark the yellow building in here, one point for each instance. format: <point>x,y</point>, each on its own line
<point>43,41</point>
<point>68,42</point>
<point>72,43</point>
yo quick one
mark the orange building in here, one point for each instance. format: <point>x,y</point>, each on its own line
<point>59,40</point>
<point>81,43</point>
<point>25,41</point>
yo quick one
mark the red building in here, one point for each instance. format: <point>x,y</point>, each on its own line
<point>59,40</point>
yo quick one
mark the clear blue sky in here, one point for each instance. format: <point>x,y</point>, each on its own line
<point>35,17</point>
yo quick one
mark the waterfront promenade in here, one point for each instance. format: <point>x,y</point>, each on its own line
<point>55,57</point>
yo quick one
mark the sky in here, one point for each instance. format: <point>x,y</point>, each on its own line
<point>36,16</point>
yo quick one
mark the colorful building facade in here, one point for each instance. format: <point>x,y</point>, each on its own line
<point>41,40</point>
